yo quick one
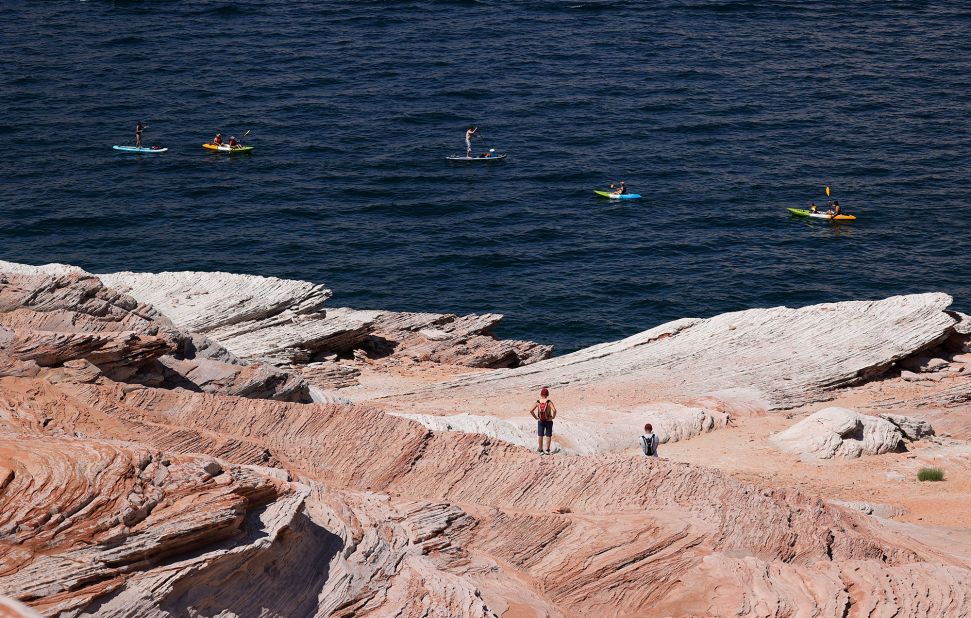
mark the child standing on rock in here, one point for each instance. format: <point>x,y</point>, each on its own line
<point>544,412</point>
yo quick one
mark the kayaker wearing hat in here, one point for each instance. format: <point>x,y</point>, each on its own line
<point>218,140</point>
<point>233,143</point>
<point>544,412</point>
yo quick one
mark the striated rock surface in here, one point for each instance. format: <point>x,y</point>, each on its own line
<point>283,322</point>
<point>839,432</point>
<point>81,519</point>
<point>791,356</point>
<point>912,429</point>
<point>442,524</point>
<point>120,498</point>
<point>202,302</point>
<point>50,320</point>
<point>611,431</point>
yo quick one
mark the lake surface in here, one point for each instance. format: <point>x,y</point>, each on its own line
<point>722,114</point>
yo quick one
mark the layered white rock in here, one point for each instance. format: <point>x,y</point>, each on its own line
<point>839,432</point>
<point>611,431</point>
<point>205,301</point>
<point>791,356</point>
<point>283,321</point>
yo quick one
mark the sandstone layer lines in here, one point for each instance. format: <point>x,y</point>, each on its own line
<point>791,356</point>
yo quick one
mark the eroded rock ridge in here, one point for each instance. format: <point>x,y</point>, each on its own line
<point>130,486</point>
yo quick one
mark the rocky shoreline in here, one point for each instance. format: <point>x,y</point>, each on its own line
<point>193,443</point>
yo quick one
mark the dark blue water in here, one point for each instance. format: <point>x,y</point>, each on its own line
<point>721,113</point>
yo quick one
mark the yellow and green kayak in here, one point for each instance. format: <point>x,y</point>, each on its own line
<point>799,212</point>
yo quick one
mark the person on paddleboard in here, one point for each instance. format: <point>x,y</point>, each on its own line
<point>218,140</point>
<point>469,134</point>
<point>138,134</point>
<point>544,412</point>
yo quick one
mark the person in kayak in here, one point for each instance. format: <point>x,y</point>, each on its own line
<point>621,190</point>
<point>544,412</point>
<point>469,134</point>
<point>138,134</point>
<point>233,143</point>
<point>813,209</point>
<point>218,140</point>
<point>836,210</point>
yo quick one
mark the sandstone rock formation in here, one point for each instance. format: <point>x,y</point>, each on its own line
<point>912,429</point>
<point>50,320</point>
<point>455,524</point>
<point>284,322</point>
<point>838,432</point>
<point>791,356</point>
<point>120,496</point>
<point>611,431</point>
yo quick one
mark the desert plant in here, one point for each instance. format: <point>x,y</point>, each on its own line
<point>930,474</point>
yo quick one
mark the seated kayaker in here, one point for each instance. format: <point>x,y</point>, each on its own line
<point>218,140</point>
<point>233,143</point>
<point>813,209</point>
<point>836,210</point>
<point>622,189</point>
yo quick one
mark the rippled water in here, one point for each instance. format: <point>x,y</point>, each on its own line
<point>721,113</point>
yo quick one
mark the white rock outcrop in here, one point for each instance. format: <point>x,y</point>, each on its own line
<point>791,356</point>
<point>205,301</point>
<point>839,432</point>
<point>611,431</point>
<point>283,321</point>
<point>912,428</point>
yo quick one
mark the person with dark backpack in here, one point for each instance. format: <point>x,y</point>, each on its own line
<point>544,412</point>
<point>649,441</point>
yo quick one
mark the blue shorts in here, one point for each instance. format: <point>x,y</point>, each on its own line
<point>544,428</point>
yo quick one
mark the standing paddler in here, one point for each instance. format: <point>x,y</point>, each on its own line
<point>469,134</point>
<point>138,134</point>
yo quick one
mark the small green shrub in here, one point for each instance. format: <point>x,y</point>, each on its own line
<point>930,474</point>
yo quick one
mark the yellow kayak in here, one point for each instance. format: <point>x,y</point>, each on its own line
<point>225,148</point>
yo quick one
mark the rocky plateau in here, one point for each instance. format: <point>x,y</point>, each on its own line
<point>213,444</point>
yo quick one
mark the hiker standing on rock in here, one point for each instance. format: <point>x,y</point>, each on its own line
<point>649,441</point>
<point>544,412</point>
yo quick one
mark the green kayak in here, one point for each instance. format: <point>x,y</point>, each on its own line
<point>799,212</point>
